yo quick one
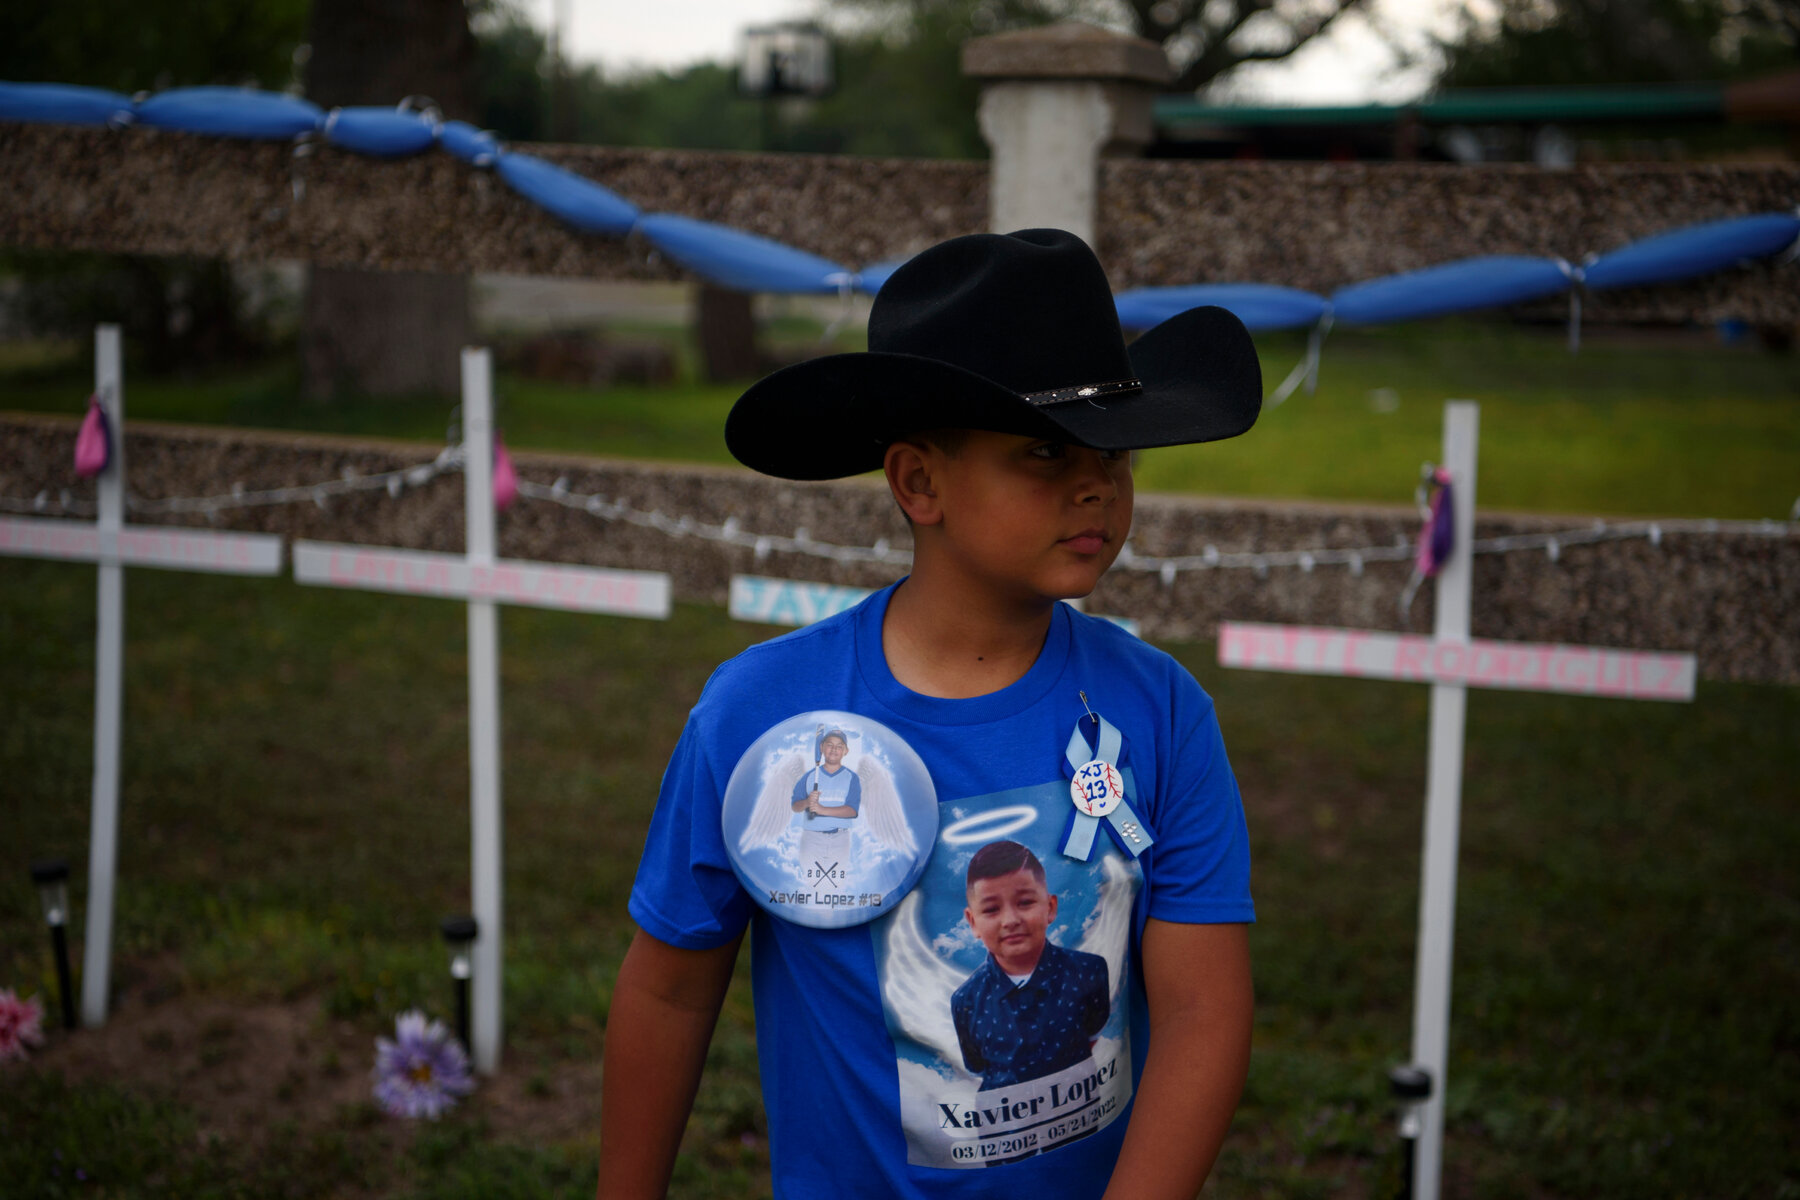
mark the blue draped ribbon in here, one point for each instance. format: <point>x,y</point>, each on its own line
<point>1126,828</point>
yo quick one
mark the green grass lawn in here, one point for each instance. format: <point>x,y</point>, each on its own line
<point>295,822</point>
<point>1644,424</point>
<point>1632,424</point>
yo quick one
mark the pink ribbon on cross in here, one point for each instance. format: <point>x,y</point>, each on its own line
<point>93,444</point>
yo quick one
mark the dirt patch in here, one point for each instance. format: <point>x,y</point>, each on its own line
<point>557,1103</point>
<point>253,1070</point>
<point>237,1066</point>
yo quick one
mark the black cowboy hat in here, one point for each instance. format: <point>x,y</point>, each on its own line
<point>1015,333</point>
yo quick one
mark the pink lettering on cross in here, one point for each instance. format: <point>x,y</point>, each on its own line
<point>1320,650</point>
<point>1410,656</point>
<point>1610,675</point>
<point>1263,645</point>
<point>1581,668</point>
<point>1290,644</point>
<point>1670,667</point>
<point>84,543</point>
<point>1515,666</point>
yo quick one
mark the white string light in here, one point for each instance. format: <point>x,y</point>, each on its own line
<point>731,531</point>
<point>448,461</point>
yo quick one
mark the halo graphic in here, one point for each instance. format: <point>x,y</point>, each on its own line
<point>988,826</point>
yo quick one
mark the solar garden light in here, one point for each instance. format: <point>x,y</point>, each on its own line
<point>459,933</point>
<point>1411,1088</point>
<point>52,878</point>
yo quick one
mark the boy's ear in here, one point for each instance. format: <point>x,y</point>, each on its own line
<point>909,467</point>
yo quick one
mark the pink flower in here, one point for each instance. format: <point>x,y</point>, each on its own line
<point>21,1025</point>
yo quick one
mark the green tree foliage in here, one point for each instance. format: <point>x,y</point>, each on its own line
<point>1569,42</point>
<point>897,95</point>
<point>510,57</point>
<point>696,108</point>
<point>1204,39</point>
<point>132,45</point>
<point>175,311</point>
<point>901,90</point>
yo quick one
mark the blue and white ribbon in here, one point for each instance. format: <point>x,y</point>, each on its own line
<point>1098,795</point>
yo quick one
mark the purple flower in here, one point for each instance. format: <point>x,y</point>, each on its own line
<point>21,1024</point>
<point>423,1071</point>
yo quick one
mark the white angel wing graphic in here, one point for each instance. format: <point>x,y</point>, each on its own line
<point>883,816</point>
<point>774,806</point>
<point>917,984</point>
<point>1107,931</point>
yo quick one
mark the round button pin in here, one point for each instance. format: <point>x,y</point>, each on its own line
<point>829,818</point>
<point>1097,789</point>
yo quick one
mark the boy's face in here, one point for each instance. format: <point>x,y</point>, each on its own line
<point>833,752</point>
<point>1011,915</point>
<point>1026,518</point>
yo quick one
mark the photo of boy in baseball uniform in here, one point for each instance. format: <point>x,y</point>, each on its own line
<point>825,801</point>
<point>828,818</point>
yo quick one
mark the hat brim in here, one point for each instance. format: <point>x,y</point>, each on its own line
<point>835,416</point>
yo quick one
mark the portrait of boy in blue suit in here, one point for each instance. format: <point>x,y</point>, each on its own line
<point>1033,1008</point>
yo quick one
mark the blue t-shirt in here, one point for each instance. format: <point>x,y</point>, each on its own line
<point>862,1066</point>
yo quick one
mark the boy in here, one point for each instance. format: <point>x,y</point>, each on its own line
<point>830,796</point>
<point>1000,401</point>
<point>1032,1009</point>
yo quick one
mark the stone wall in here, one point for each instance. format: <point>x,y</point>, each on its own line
<point>1732,599</point>
<point>1320,226</point>
<point>1317,226</point>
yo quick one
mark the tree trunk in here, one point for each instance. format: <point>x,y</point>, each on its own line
<point>387,333</point>
<point>383,333</point>
<point>726,328</point>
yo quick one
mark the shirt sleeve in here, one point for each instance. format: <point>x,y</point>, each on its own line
<point>853,794</point>
<point>1199,868</point>
<point>686,893</point>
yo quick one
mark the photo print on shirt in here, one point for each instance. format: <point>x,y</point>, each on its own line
<point>1005,994</point>
<point>828,819</point>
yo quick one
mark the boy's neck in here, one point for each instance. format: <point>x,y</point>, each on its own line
<point>940,641</point>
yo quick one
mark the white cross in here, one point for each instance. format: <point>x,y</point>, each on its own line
<point>1451,662</point>
<point>114,545</point>
<point>483,581</point>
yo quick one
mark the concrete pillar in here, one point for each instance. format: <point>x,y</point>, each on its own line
<point>1053,101</point>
